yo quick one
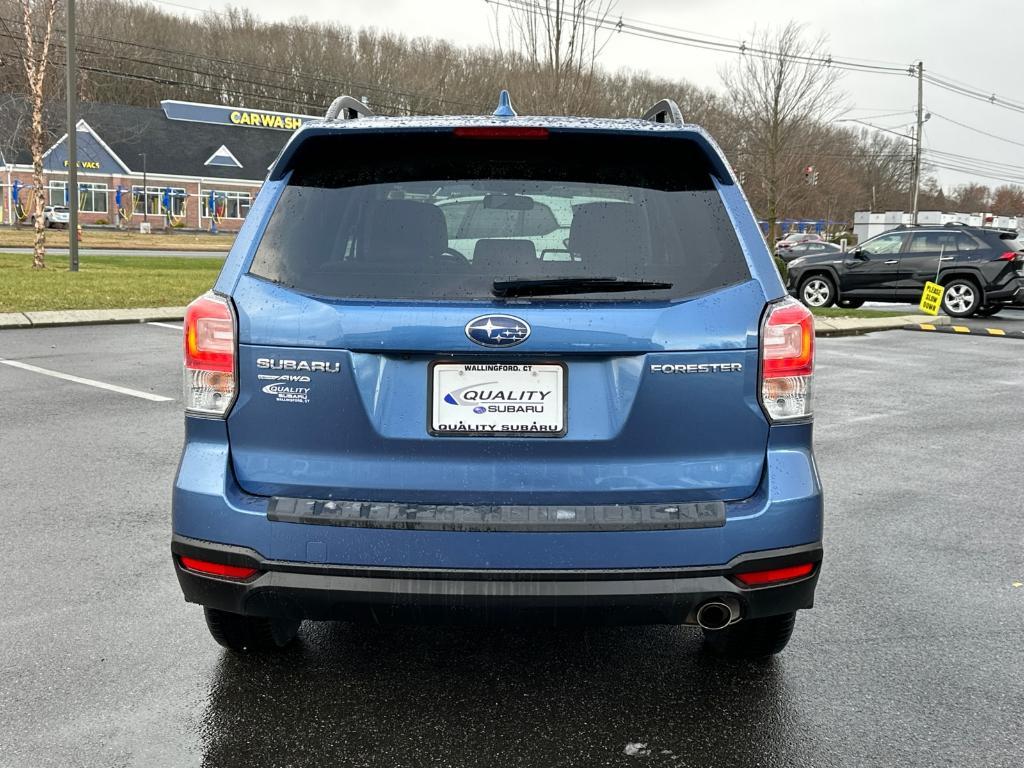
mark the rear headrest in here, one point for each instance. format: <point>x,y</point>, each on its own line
<point>512,257</point>
<point>403,231</point>
<point>604,235</point>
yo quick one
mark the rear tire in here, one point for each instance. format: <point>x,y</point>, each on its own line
<point>850,303</point>
<point>817,291</point>
<point>250,633</point>
<point>962,297</point>
<point>990,310</point>
<point>752,638</point>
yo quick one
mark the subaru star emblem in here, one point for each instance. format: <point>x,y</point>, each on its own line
<point>497,330</point>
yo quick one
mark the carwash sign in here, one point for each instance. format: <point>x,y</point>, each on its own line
<point>218,115</point>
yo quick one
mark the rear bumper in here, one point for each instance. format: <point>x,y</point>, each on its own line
<point>784,511</point>
<point>630,596</point>
<point>1010,293</point>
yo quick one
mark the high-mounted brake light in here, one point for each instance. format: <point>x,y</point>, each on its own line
<point>218,569</point>
<point>787,361</point>
<point>775,575</point>
<point>209,356</point>
<point>501,132</point>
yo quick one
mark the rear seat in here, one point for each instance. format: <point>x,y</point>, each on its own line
<point>505,258</point>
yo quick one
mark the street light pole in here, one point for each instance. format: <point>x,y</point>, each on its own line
<point>72,141</point>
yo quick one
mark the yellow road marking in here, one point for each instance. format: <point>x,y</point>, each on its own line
<point>996,331</point>
<point>927,327</point>
<point>961,328</point>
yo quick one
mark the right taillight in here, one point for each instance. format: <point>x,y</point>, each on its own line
<point>209,356</point>
<point>775,575</point>
<point>787,361</point>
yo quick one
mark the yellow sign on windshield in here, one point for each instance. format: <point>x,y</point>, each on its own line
<point>931,299</point>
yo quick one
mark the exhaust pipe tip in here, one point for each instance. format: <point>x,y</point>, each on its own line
<point>717,614</point>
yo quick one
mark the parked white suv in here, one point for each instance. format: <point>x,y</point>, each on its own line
<point>55,216</point>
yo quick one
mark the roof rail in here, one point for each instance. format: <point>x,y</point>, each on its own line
<point>348,109</point>
<point>665,111</point>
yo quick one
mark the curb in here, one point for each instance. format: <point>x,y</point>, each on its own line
<point>856,326</point>
<point>56,318</point>
<point>964,329</point>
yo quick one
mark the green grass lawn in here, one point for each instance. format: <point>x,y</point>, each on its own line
<point>103,282</point>
<point>114,282</point>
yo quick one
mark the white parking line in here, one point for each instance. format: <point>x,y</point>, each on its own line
<point>87,382</point>
<point>166,325</point>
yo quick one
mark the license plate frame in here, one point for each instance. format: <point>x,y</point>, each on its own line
<point>490,368</point>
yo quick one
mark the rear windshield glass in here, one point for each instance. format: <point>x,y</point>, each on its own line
<point>1012,241</point>
<point>434,216</point>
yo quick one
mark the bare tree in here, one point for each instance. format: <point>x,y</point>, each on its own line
<point>972,197</point>
<point>561,40</point>
<point>37,28</point>
<point>782,86</point>
<point>1007,200</point>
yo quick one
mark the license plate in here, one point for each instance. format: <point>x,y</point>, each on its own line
<point>497,399</point>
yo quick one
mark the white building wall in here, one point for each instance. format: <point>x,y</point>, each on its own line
<point>867,224</point>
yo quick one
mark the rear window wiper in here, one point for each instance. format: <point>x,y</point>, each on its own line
<point>552,286</point>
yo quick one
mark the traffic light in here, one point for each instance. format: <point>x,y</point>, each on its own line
<point>810,176</point>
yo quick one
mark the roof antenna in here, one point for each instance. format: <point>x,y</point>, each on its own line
<point>504,106</point>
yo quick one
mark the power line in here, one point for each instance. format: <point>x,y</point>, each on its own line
<point>343,84</point>
<point>191,8</point>
<point>977,130</point>
<point>220,89</point>
<point>160,80</point>
<point>689,38</point>
<point>1019,180</point>
<point>886,114</point>
<point>981,162</point>
<point>647,31</point>
<point>976,95</point>
<point>875,127</point>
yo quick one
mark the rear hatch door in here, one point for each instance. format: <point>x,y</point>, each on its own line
<point>616,365</point>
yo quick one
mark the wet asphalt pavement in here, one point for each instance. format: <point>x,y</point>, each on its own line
<point>912,657</point>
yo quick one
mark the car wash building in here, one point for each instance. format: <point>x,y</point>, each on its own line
<point>183,165</point>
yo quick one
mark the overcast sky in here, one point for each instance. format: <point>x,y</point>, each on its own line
<point>975,43</point>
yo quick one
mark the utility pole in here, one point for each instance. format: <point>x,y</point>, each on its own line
<point>72,141</point>
<point>918,137</point>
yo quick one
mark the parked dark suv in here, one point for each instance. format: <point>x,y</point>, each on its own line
<point>981,268</point>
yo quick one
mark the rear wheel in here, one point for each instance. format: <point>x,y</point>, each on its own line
<point>250,633</point>
<point>962,297</point>
<point>989,310</point>
<point>752,638</point>
<point>818,291</point>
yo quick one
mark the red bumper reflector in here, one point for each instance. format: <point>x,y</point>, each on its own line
<point>758,578</point>
<point>501,132</point>
<point>218,569</point>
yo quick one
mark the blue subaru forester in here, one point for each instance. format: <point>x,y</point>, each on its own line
<point>502,369</point>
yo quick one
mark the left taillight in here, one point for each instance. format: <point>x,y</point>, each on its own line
<point>787,361</point>
<point>209,356</point>
<point>239,572</point>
